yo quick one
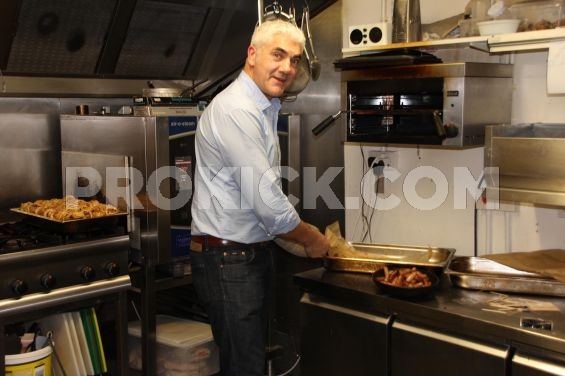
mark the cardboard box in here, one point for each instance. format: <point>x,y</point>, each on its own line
<point>184,347</point>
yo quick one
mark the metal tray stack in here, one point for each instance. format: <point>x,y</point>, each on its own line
<point>378,255</point>
<point>478,273</point>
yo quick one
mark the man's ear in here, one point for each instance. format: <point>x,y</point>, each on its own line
<point>251,55</point>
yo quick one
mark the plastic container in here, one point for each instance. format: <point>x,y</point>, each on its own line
<point>30,364</point>
<point>539,15</point>
<point>494,27</point>
<point>468,28</point>
<point>184,347</point>
<point>479,9</point>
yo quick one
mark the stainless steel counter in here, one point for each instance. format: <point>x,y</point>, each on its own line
<point>451,310</point>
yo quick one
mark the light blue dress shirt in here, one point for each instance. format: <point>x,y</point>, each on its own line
<point>237,190</point>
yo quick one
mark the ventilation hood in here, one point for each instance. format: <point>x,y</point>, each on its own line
<point>195,40</point>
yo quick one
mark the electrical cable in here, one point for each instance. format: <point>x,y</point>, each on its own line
<point>379,165</point>
<point>366,228</point>
<point>291,367</point>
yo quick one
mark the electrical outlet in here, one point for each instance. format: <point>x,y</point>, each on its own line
<point>383,158</point>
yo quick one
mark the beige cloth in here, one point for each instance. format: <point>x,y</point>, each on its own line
<point>339,247</point>
<point>547,262</point>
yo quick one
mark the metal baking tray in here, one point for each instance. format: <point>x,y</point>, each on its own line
<point>479,273</point>
<point>72,225</point>
<point>379,255</point>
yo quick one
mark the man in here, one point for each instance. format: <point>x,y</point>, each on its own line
<point>238,206</point>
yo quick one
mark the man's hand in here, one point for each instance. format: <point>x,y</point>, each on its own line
<point>319,247</point>
<point>315,243</point>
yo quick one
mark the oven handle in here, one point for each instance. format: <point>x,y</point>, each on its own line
<point>62,296</point>
<point>439,124</point>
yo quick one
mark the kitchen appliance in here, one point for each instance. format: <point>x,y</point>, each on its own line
<point>132,165</point>
<point>426,104</point>
<point>45,269</point>
<point>152,153</point>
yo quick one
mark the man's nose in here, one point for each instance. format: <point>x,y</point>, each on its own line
<point>286,65</point>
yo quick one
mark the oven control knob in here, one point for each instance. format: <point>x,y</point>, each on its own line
<point>112,269</point>
<point>48,281</point>
<point>87,273</point>
<point>19,287</point>
<point>451,131</point>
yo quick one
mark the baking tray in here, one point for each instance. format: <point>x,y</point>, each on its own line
<point>379,255</point>
<point>479,273</point>
<point>71,225</point>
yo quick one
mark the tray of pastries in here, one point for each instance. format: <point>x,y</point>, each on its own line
<point>69,212</point>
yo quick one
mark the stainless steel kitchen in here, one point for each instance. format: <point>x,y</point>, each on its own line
<point>424,139</point>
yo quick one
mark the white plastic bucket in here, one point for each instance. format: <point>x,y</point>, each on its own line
<point>35,363</point>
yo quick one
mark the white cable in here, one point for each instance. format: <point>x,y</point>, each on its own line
<point>291,368</point>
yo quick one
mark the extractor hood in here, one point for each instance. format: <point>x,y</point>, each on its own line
<point>148,39</point>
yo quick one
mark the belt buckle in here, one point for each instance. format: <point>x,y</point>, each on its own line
<point>195,247</point>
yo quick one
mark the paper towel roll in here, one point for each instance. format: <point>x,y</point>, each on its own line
<point>555,68</point>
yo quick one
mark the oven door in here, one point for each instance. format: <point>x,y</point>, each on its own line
<point>396,111</point>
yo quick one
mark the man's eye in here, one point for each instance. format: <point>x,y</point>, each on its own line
<point>277,55</point>
<point>295,61</point>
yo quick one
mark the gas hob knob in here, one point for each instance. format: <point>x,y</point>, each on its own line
<point>19,287</point>
<point>87,273</point>
<point>112,269</point>
<point>48,281</point>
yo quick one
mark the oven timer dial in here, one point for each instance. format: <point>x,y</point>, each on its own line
<point>19,287</point>
<point>112,269</point>
<point>87,273</point>
<point>48,281</point>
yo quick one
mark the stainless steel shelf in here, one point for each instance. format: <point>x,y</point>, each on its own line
<point>527,40</point>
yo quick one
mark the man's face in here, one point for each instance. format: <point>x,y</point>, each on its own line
<point>273,67</point>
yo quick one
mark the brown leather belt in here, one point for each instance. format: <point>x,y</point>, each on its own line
<point>198,241</point>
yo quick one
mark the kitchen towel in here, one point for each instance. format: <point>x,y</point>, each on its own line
<point>555,68</point>
<point>547,262</point>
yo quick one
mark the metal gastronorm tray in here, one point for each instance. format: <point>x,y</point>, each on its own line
<point>378,255</point>
<point>72,225</point>
<point>479,273</point>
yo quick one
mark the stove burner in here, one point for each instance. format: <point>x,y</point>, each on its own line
<point>17,244</point>
<point>20,236</point>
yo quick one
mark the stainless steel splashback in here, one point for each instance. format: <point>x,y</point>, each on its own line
<point>29,150</point>
<point>530,160</point>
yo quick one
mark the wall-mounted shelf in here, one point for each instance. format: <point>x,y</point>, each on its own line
<point>552,40</point>
<point>528,40</point>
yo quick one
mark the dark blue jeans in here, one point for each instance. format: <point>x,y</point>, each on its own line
<point>233,284</point>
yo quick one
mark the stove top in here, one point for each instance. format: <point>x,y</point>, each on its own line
<point>20,236</point>
<point>37,260</point>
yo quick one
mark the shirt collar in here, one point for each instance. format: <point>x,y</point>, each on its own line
<point>258,96</point>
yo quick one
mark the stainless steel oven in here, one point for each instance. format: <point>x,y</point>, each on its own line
<point>49,269</point>
<point>426,104</point>
<point>144,164</point>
